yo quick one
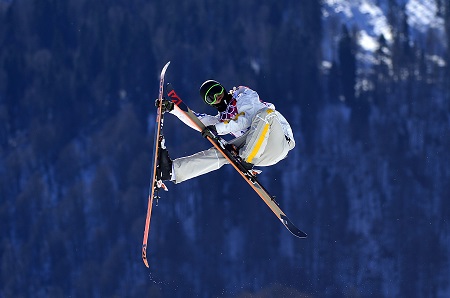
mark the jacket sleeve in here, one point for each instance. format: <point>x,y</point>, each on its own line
<point>247,103</point>
<point>204,118</point>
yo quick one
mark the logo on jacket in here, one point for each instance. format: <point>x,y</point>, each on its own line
<point>230,113</point>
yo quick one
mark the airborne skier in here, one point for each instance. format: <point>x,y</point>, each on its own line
<point>262,136</point>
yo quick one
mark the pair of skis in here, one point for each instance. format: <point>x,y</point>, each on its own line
<point>219,144</point>
<point>155,185</point>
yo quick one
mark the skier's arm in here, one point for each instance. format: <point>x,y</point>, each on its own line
<point>183,117</point>
<point>248,104</point>
<point>240,123</point>
<point>169,107</point>
<point>204,118</point>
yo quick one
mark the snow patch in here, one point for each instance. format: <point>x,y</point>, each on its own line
<point>256,66</point>
<point>422,15</point>
<point>367,42</point>
<point>376,19</point>
<point>369,17</point>
<point>338,6</point>
<point>363,14</point>
<point>439,61</point>
<point>326,64</point>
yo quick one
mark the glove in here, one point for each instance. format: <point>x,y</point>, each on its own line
<point>166,105</point>
<point>209,131</point>
<point>233,149</point>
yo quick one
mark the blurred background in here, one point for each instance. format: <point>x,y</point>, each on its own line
<point>364,83</point>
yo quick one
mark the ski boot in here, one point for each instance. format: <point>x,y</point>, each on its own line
<point>164,167</point>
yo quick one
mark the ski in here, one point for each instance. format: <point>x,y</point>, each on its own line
<point>219,144</point>
<point>155,184</point>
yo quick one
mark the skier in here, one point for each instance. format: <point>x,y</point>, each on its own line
<point>262,136</point>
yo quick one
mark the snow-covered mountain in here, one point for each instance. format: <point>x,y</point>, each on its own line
<point>370,19</point>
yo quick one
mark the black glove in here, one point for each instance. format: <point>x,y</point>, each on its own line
<point>233,149</point>
<point>209,131</point>
<point>166,105</point>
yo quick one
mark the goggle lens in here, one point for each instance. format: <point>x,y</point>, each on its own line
<point>212,93</point>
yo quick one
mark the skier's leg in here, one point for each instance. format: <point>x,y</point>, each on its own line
<point>239,141</point>
<point>277,147</point>
<point>197,164</point>
<point>266,143</point>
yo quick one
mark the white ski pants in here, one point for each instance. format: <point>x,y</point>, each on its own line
<point>264,144</point>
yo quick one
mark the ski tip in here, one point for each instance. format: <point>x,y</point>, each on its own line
<point>301,234</point>
<point>292,228</point>
<point>146,263</point>
<point>144,255</point>
<point>298,233</point>
<point>163,71</point>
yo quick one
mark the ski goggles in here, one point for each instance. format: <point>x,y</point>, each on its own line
<point>212,93</point>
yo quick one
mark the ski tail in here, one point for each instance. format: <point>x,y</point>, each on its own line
<point>153,188</point>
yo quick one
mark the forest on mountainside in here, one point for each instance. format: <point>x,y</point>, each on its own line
<point>369,179</point>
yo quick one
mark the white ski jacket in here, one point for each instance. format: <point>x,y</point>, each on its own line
<point>238,116</point>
